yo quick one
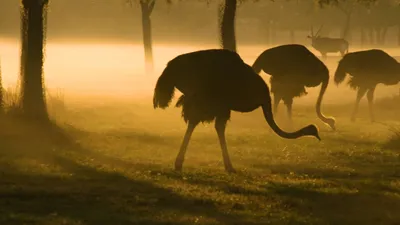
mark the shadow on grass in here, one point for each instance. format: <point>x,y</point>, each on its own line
<point>360,204</point>
<point>325,200</point>
<point>62,188</point>
<point>394,141</point>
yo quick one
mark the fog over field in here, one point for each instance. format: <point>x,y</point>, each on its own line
<point>117,69</point>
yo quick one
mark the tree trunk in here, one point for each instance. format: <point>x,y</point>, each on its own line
<point>147,8</point>
<point>1,91</point>
<point>383,35</point>
<point>378,35</point>
<point>292,36</point>
<point>32,23</point>
<point>398,34</point>
<point>346,30</point>
<point>371,35</point>
<point>227,27</point>
<point>362,35</point>
<point>268,33</point>
<point>274,27</point>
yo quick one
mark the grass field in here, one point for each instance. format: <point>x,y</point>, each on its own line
<point>110,162</point>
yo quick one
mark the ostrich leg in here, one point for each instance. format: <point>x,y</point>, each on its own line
<point>370,97</point>
<point>277,99</point>
<point>220,125</point>
<point>360,93</point>
<point>181,155</point>
<point>289,103</point>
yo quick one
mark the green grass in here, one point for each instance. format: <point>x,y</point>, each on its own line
<point>111,163</point>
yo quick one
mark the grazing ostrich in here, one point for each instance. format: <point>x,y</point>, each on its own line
<point>292,68</point>
<point>367,69</point>
<point>213,83</point>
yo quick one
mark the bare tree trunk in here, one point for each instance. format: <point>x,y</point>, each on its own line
<point>362,35</point>
<point>398,34</point>
<point>1,92</point>
<point>227,27</point>
<point>346,30</point>
<point>371,35</point>
<point>383,35</point>
<point>273,32</point>
<point>378,35</point>
<point>268,33</point>
<point>147,8</point>
<point>292,36</point>
<point>33,97</point>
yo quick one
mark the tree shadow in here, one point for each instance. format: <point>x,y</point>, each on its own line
<point>337,199</point>
<point>360,205</point>
<point>393,143</point>
<point>79,192</point>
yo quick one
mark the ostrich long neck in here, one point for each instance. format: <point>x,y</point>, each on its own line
<point>324,85</point>
<point>267,110</point>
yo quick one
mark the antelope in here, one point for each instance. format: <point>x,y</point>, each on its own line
<point>327,44</point>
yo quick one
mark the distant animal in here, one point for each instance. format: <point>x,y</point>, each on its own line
<point>326,45</point>
<point>367,69</point>
<point>293,68</point>
<point>214,82</point>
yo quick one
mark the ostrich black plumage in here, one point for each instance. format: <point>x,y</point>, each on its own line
<point>293,68</point>
<point>213,83</point>
<point>367,69</point>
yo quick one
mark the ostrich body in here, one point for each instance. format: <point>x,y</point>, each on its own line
<point>213,83</point>
<point>293,68</point>
<point>367,69</point>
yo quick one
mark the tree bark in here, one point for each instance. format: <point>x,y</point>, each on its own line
<point>362,36</point>
<point>346,34</point>
<point>147,8</point>
<point>227,27</point>
<point>32,23</point>
<point>398,34</point>
<point>383,35</point>
<point>268,33</point>
<point>292,35</point>
<point>1,91</point>
<point>371,36</point>
<point>378,35</point>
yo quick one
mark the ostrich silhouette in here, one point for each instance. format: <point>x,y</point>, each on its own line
<point>293,68</point>
<point>214,82</point>
<point>367,69</point>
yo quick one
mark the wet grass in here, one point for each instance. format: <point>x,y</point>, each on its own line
<point>111,163</point>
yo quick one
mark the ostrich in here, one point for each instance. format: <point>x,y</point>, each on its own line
<point>213,83</point>
<point>367,69</point>
<point>292,68</point>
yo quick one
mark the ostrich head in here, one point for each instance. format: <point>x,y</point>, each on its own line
<point>310,130</point>
<point>331,122</point>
